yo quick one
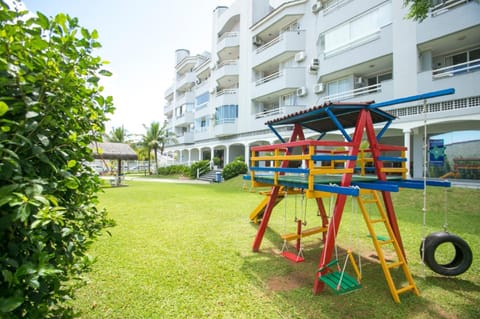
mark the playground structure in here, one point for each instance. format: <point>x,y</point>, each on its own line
<point>368,171</point>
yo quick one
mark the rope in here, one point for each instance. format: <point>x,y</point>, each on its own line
<point>284,246</point>
<point>330,208</point>
<point>304,206</point>
<point>445,225</point>
<point>425,158</point>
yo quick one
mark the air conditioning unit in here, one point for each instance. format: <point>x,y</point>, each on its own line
<point>257,40</point>
<point>302,91</point>
<point>318,88</point>
<point>314,65</point>
<point>300,56</point>
<point>317,6</point>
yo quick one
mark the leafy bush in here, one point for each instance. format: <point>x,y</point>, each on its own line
<point>51,109</point>
<point>233,169</point>
<point>174,170</point>
<point>202,165</point>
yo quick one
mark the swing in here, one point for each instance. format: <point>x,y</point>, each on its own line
<point>339,281</point>
<point>463,258</point>
<point>297,258</point>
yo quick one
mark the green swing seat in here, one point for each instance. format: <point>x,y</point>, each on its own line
<point>340,284</point>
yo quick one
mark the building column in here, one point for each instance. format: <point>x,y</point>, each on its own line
<point>407,144</point>
<point>246,155</point>
<point>226,157</point>
<point>417,154</point>
<point>211,152</point>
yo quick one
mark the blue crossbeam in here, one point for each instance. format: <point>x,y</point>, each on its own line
<point>280,170</point>
<point>377,186</point>
<point>413,98</point>
<point>392,159</point>
<point>352,191</point>
<point>333,157</point>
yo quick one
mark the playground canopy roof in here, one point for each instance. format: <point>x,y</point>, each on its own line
<point>113,151</point>
<point>326,117</point>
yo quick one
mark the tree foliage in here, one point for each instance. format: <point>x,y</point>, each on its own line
<point>418,9</point>
<point>154,139</point>
<point>117,135</point>
<point>51,109</point>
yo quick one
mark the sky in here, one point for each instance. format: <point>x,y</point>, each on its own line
<point>139,39</point>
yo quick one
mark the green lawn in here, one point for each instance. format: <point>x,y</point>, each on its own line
<point>184,251</point>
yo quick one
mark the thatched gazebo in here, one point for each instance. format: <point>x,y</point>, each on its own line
<point>113,151</point>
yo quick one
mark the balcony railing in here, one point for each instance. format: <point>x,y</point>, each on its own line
<point>456,69</point>
<point>270,112</point>
<point>226,92</point>
<point>444,6</point>
<point>268,78</point>
<point>228,35</point>
<point>352,93</point>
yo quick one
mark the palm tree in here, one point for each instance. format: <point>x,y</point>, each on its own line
<point>155,139</point>
<point>117,135</point>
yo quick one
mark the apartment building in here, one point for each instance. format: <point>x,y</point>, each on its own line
<point>271,58</point>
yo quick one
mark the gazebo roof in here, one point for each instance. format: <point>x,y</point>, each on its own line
<point>113,151</point>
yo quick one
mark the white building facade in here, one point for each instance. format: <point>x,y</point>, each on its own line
<point>267,61</point>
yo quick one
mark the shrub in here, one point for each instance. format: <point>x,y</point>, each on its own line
<point>233,169</point>
<point>51,109</point>
<point>174,170</point>
<point>203,166</point>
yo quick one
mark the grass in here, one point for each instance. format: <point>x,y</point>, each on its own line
<point>184,251</point>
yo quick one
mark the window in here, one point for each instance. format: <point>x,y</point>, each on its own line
<point>226,114</point>
<point>357,30</point>
<point>372,80</point>
<point>339,86</point>
<point>202,100</point>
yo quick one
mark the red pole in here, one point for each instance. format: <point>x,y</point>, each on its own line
<point>299,234</point>
<point>296,134</point>
<point>266,217</point>
<point>340,202</point>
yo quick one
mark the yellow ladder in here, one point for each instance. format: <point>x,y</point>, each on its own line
<point>371,197</point>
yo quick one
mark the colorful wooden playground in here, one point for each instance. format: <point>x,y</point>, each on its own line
<point>360,167</point>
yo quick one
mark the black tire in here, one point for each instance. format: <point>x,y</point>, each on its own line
<point>458,265</point>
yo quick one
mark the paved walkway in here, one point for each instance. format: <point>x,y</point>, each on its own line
<point>165,180</point>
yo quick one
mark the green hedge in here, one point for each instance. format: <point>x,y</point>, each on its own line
<point>174,170</point>
<point>234,169</point>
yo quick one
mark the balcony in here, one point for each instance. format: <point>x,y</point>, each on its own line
<point>169,93</point>
<point>448,17</point>
<point>186,81</point>
<point>225,127</point>
<point>226,97</point>
<point>280,48</point>
<point>228,40</point>
<point>186,138</point>
<point>464,77</point>
<point>185,119</point>
<point>226,73</point>
<point>187,98</point>
<point>168,108</point>
<point>278,110</point>
<point>280,82</point>
<point>377,92</point>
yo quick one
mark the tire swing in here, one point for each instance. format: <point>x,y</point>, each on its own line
<point>463,253</point>
<point>460,262</point>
